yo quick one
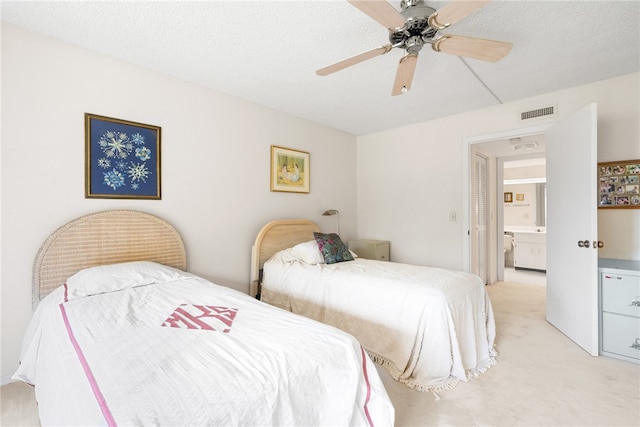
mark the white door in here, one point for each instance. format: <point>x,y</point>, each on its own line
<point>572,228</point>
<point>479,214</point>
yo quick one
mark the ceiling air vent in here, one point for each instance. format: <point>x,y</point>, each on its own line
<point>550,110</point>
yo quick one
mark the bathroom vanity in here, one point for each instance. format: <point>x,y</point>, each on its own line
<point>530,250</point>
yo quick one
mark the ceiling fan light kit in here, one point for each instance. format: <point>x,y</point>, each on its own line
<point>416,25</point>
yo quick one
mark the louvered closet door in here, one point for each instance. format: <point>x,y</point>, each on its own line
<point>479,212</point>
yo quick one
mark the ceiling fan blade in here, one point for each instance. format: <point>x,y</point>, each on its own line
<point>454,11</point>
<point>404,75</point>
<point>380,11</point>
<point>471,47</point>
<point>353,60</point>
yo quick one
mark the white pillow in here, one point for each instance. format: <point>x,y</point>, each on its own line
<point>308,252</point>
<point>115,277</point>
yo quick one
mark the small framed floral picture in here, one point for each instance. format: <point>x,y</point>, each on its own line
<point>122,159</point>
<point>290,170</point>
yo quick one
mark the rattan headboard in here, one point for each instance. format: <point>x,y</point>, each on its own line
<point>104,238</point>
<point>276,236</point>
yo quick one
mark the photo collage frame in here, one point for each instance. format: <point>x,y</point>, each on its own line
<point>619,185</point>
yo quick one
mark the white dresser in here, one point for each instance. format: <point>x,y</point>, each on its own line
<point>620,309</point>
<point>371,249</point>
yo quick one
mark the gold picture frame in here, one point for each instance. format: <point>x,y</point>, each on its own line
<point>619,185</point>
<point>290,170</point>
<point>508,197</point>
<point>122,159</point>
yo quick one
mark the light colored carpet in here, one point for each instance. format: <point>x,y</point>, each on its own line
<point>19,407</point>
<point>542,379</point>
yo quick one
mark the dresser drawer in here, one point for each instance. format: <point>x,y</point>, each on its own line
<point>619,334</point>
<point>620,293</point>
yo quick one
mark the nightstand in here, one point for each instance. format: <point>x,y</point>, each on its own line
<point>371,249</point>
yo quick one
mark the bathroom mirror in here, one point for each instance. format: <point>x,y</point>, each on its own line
<point>528,205</point>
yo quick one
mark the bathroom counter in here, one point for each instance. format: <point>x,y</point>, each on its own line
<point>514,230</point>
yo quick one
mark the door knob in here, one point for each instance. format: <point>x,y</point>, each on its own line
<point>583,243</point>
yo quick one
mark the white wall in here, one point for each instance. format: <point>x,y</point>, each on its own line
<point>525,172</point>
<point>215,164</point>
<point>410,179</point>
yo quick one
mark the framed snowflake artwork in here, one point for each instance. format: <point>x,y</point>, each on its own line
<point>122,159</point>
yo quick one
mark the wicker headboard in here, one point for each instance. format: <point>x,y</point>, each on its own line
<point>276,236</point>
<point>104,238</point>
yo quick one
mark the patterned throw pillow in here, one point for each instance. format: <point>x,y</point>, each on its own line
<point>332,248</point>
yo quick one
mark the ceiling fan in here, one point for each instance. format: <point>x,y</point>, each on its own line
<point>416,25</point>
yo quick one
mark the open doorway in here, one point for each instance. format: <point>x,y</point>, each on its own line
<point>524,220</point>
<point>572,264</point>
<point>516,219</point>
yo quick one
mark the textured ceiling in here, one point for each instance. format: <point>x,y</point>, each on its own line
<point>267,52</point>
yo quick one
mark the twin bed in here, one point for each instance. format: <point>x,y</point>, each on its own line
<point>122,335</point>
<point>429,327</point>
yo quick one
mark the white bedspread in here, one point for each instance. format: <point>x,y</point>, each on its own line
<point>429,327</point>
<point>189,352</point>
